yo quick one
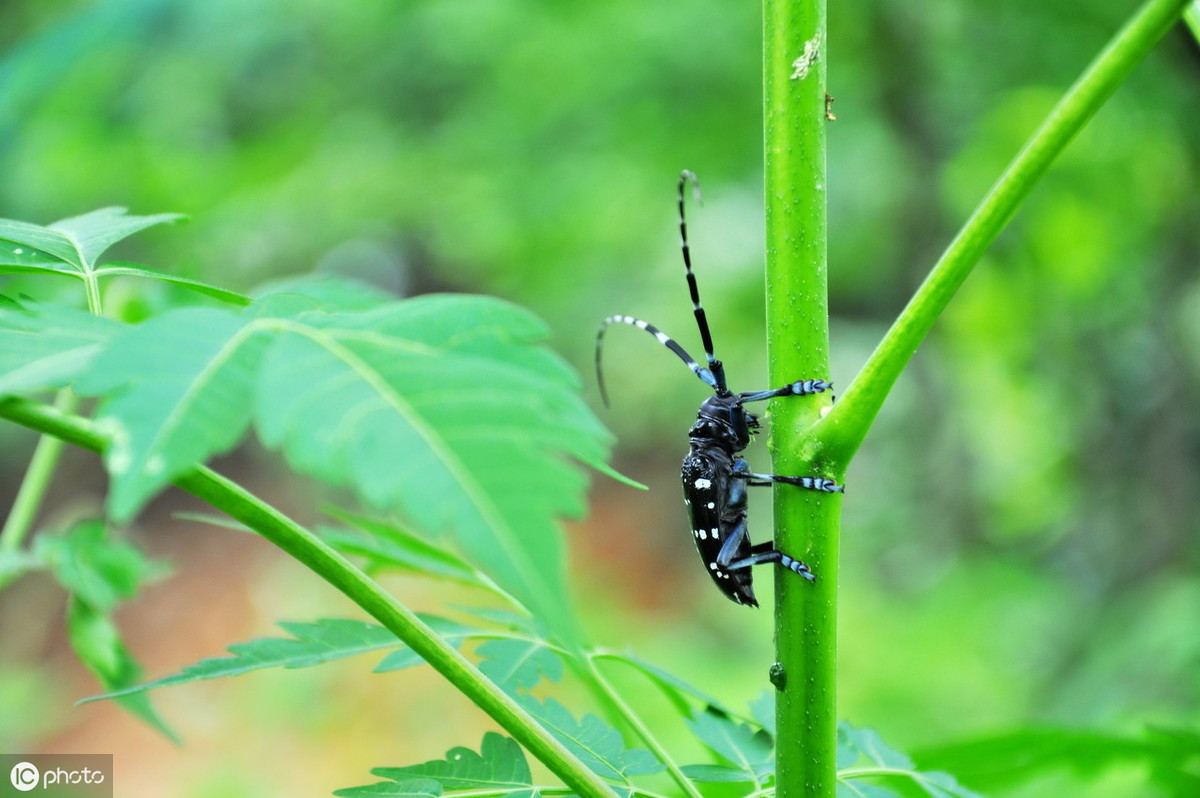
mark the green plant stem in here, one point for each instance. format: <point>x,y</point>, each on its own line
<point>43,463</point>
<point>640,728</point>
<point>842,431</point>
<point>342,574</point>
<point>806,523</point>
<point>35,482</point>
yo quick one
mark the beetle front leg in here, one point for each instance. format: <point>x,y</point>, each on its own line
<point>811,483</point>
<point>798,388</point>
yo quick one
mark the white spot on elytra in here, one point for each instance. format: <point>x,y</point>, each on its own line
<point>803,65</point>
<point>714,533</point>
<point>712,505</point>
<point>712,566</point>
<point>702,535</point>
<point>703,484</point>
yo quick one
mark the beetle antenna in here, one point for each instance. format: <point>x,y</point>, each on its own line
<point>704,374</point>
<point>714,366</point>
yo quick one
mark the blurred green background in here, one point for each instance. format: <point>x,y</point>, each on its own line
<point>1021,538</point>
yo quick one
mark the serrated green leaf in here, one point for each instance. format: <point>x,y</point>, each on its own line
<point>94,567</point>
<point>311,644</point>
<point>594,742</point>
<point>716,773</point>
<point>875,763</point>
<point>943,785</point>
<point>741,746</point>
<point>499,767</point>
<point>762,709</point>
<point>24,259</point>
<point>387,545</point>
<point>452,632</point>
<point>55,243</point>
<point>519,664</point>
<point>80,240</point>
<point>909,782</point>
<point>870,746</point>
<point>413,788</point>
<point>176,390</point>
<point>505,619</point>
<point>675,689</point>
<point>847,753</point>
<point>92,233</point>
<point>335,293</point>
<point>1001,761</point>
<point>48,346</point>
<point>115,269</point>
<point>445,410</point>
<point>861,789</point>
<point>98,645</point>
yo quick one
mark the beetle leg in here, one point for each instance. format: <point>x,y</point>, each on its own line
<point>812,483</point>
<point>798,388</point>
<point>762,553</point>
<point>730,546</point>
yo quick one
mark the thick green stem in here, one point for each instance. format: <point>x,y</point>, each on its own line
<point>806,523</point>
<point>843,430</point>
<point>339,572</point>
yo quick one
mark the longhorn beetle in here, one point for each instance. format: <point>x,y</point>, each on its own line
<point>715,476</point>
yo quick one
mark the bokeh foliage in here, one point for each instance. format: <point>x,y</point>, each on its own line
<point>1021,541</point>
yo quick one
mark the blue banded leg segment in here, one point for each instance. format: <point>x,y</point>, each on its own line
<point>810,483</point>
<point>799,388</point>
<point>767,553</point>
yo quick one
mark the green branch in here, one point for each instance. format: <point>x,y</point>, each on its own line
<point>842,431</point>
<point>297,541</point>
<point>806,523</point>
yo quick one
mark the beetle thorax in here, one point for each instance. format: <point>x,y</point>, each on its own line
<point>723,422</point>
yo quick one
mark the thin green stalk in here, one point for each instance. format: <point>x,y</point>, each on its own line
<point>806,523</point>
<point>42,465</point>
<point>640,728</point>
<point>35,482</point>
<point>342,574</point>
<point>842,431</point>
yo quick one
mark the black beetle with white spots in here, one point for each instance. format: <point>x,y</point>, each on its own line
<point>715,477</point>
